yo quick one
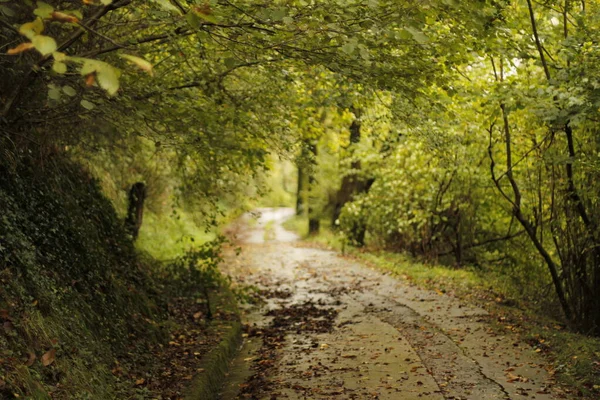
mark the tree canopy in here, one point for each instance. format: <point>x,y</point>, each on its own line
<point>476,120</point>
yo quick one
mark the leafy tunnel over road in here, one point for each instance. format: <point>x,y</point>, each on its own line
<point>332,328</point>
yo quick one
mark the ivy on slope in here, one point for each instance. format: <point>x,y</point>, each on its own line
<point>72,291</point>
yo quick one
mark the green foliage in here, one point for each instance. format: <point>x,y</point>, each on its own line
<point>166,236</point>
<point>198,269</point>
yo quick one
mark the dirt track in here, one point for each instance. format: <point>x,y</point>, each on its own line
<point>331,328</point>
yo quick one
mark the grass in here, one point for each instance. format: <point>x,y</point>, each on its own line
<point>575,357</point>
<point>326,238</point>
<point>165,237</point>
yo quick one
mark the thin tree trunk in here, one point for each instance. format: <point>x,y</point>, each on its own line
<point>300,191</point>
<point>516,204</point>
<point>313,218</point>
<point>593,302</point>
<point>135,209</point>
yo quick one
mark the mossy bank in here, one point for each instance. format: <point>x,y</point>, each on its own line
<point>76,300</point>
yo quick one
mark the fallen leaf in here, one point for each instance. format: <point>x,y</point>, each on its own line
<point>31,359</point>
<point>48,357</point>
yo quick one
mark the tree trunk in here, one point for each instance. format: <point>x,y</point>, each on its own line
<point>135,209</point>
<point>352,184</point>
<point>313,218</point>
<point>300,191</point>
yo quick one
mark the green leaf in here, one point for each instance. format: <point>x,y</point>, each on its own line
<point>60,57</point>
<point>167,6</point>
<point>88,105</point>
<point>54,93</point>
<point>44,44</point>
<point>7,11</point>
<point>278,14</point>
<point>193,19</point>
<point>230,62</point>
<point>417,35</point>
<point>43,10</point>
<point>107,76</point>
<point>364,52</point>
<point>89,67</point>
<point>59,67</point>
<point>69,91</point>
<point>349,46</point>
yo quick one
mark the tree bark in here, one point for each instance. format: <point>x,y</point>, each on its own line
<point>135,209</point>
<point>314,224</point>
<point>352,184</point>
<point>300,191</point>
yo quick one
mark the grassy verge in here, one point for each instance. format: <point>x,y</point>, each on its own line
<point>575,357</point>
<point>165,237</point>
<point>326,238</point>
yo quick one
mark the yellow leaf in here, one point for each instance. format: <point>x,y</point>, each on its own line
<point>31,29</point>
<point>140,62</point>
<point>60,57</point>
<point>44,44</point>
<point>59,67</point>
<point>108,78</point>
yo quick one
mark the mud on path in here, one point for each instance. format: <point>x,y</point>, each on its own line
<point>331,328</point>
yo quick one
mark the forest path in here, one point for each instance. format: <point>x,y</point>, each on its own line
<point>331,328</point>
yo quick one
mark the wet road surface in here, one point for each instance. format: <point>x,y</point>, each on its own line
<point>331,328</point>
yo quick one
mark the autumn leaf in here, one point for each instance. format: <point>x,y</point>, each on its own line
<point>140,381</point>
<point>31,29</point>
<point>90,80</point>
<point>62,17</point>
<point>31,359</point>
<point>140,63</point>
<point>20,48</point>
<point>48,357</point>
<point>205,12</point>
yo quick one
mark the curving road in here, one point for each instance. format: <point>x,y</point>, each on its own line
<point>331,328</point>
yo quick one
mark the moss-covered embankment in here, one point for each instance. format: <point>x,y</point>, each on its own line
<point>78,305</point>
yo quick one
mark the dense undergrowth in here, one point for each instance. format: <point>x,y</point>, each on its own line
<point>76,299</point>
<point>522,307</point>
